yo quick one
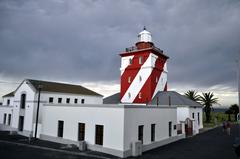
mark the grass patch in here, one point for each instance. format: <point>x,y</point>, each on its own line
<point>221,116</point>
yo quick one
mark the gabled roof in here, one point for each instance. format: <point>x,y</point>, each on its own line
<point>163,97</point>
<point>113,99</point>
<point>174,98</point>
<point>11,94</point>
<point>61,87</point>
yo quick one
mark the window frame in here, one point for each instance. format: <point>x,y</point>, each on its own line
<point>50,100</point>
<point>59,100</point>
<point>140,60</point>
<point>67,100</point>
<point>23,100</point>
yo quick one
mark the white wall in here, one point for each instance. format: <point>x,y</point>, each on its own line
<point>30,110</point>
<point>88,99</point>
<point>5,110</point>
<point>185,112</point>
<point>120,123</point>
<point>29,107</point>
<point>147,116</point>
<point>5,100</point>
<point>197,110</point>
<point>110,117</point>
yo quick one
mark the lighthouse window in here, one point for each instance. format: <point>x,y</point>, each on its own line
<point>130,61</point>
<point>156,80</point>
<point>140,60</point>
<point>140,78</point>
<point>140,95</point>
<point>129,79</point>
<point>129,95</point>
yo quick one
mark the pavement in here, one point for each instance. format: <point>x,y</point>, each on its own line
<point>210,144</point>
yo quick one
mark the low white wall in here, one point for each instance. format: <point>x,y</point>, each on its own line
<point>110,117</point>
<point>160,116</point>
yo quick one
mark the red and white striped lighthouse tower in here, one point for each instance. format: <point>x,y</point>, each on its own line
<point>143,71</point>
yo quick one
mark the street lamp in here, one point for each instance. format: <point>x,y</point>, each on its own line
<point>38,103</point>
<point>238,77</point>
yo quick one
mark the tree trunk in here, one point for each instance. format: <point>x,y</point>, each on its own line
<point>235,115</point>
<point>208,114</point>
<point>229,117</point>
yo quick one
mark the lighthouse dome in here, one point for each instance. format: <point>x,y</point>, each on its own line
<point>144,36</point>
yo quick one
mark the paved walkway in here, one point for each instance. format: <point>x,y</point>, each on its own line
<point>213,144</point>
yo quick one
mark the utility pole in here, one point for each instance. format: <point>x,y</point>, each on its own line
<point>36,125</point>
<point>238,78</point>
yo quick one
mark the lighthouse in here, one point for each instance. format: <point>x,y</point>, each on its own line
<point>143,70</point>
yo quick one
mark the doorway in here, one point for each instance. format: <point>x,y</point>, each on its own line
<point>188,127</point>
<point>21,123</point>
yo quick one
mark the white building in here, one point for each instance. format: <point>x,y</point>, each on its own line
<point>143,116</point>
<point>21,105</point>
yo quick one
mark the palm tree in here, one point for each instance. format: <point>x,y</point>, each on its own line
<point>207,99</point>
<point>191,94</point>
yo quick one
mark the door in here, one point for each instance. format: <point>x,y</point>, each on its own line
<point>21,123</point>
<point>99,135</point>
<point>140,133</point>
<point>170,128</point>
<point>188,127</point>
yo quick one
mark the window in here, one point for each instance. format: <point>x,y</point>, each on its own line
<point>140,133</point>
<point>9,119</point>
<point>140,95</point>
<point>140,60</point>
<point>140,78</point>
<point>50,100</point>
<point>193,115</point>
<point>8,102</point>
<point>5,118</point>
<point>198,116</point>
<point>130,61</point>
<point>156,79</point>
<point>129,79</point>
<point>23,101</point>
<point>170,128</point>
<point>99,135</point>
<point>81,131</point>
<point>129,95</point>
<point>153,132</point>
<point>174,127</point>
<point>60,128</point>
<point>75,100</point>
<point>59,100</point>
<point>83,101</point>
<point>68,100</point>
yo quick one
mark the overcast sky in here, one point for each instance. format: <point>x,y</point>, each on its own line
<point>79,41</point>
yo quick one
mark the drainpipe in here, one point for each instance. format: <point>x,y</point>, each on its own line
<point>38,103</point>
<point>169,101</point>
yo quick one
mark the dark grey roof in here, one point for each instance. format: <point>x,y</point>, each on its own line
<point>11,94</point>
<point>164,97</point>
<point>113,99</point>
<point>61,87</point>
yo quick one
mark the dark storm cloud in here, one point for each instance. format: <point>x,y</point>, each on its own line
<point>80,40</point>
